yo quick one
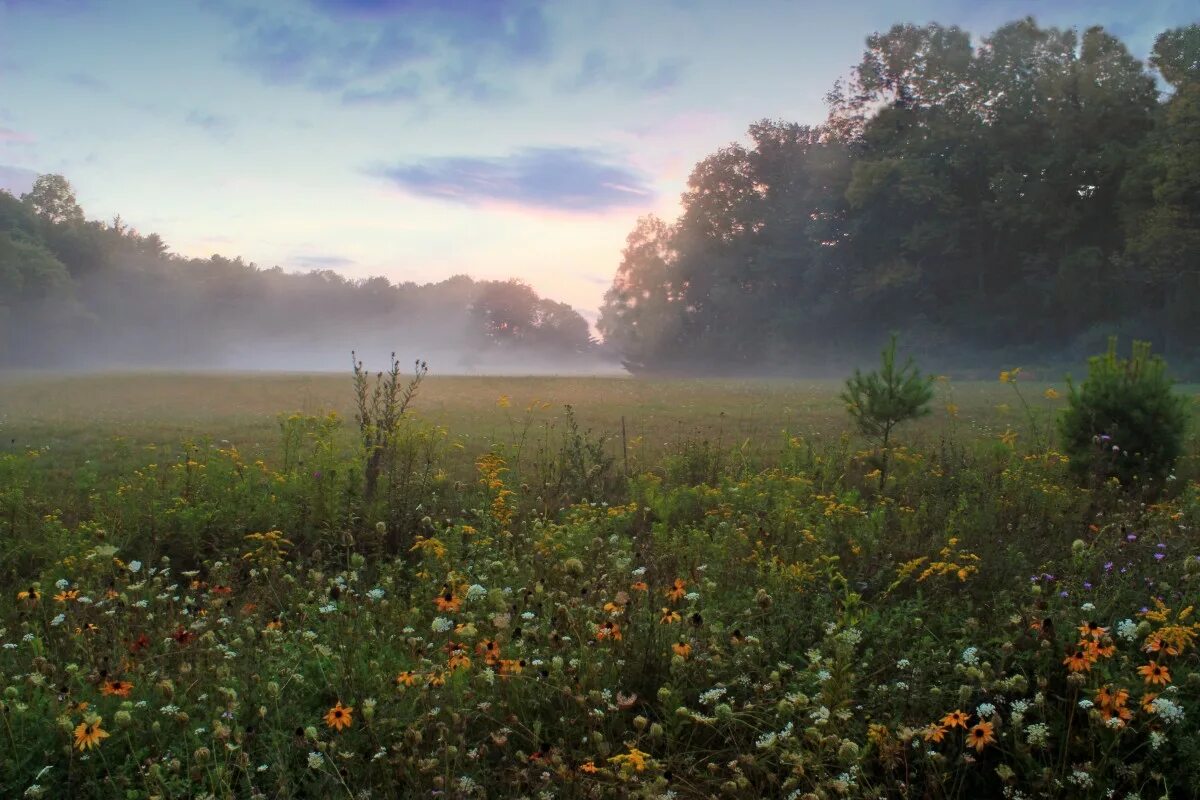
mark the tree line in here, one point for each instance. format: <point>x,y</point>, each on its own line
<point>82,293</point>
<point>1019,197</point>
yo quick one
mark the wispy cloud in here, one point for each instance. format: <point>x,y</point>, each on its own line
<point>216,125</point>
<point>84,81</point>
<point>376,51</point>
<point>558,178</point>
<point>320,261</point>
<point>16,180</point>
<point>15,137</point>
<point>598,67</point>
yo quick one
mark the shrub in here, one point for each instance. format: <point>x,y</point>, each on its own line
<point>881,400</point>
<point>1124,421</point>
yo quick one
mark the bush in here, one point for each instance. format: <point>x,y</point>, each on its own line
<point>1124,421</point>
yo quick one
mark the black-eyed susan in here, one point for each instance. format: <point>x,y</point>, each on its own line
<point>608,630</point>
<point>677,591</point>
<point>1155,674</point>
<point>956,719</point>
<point>339,717</point>
<point>1092,630</point>
<point>935,733</point>
<point>1079,660</point>
<point>490,650</point>
<point>682,649</point>
<point>639,586</point>
<point>407,678</point>
<point>116,688</point>
<point>67,595</point>
<point>89,734</point>
<point>980,736</point>
<point>30,595</point>
<point>446,601</point>
<point>458,660</point>
<point>1148,702</point>
<point>669,617</point>
<point>437,678</point>
<point>589,767</point>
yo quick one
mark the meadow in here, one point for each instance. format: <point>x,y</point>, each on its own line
<point>227,585</point>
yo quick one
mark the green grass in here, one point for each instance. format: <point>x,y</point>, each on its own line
<point>78,417</point>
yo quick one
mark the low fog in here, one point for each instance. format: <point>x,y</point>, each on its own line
<point>91,296</point>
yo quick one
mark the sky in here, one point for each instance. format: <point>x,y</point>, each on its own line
<point>422,139</point>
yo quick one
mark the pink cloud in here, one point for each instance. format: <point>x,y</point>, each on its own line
<point>9,135</point>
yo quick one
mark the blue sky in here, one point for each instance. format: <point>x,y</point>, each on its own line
<point>417,139</point>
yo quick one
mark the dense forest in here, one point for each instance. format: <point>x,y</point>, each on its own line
<point>85,294</point>
<point>1017,198</point>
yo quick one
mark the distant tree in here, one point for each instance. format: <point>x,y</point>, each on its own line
<point>1016,194</point>
<point>511,313</point>
<point>1177,55</point>
<point>53,199</point>
<point>642,312</point>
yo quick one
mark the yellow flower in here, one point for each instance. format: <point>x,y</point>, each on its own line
<point>89,734</point>
<point>1010,375</point>
<point>1051,394</point>
<point>952,409</point>
<point>339,716</point>
<point>1009,437</point>
<point>980,736</point>
<point>954,719</point>
<point>934,733</point>
<point>503,401</point>
<point>633,761</point>
<point>1155,673</point>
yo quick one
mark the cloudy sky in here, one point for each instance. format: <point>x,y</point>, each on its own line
<point>419,139</point>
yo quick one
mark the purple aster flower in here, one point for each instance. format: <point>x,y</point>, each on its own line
<point>1159,556</point>
<point>1108,566</point>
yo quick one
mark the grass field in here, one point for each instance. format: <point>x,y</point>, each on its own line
<point>213,589</point>
<point>78,417</point>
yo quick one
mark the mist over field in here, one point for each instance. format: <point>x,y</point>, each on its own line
<point>632,400</point>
